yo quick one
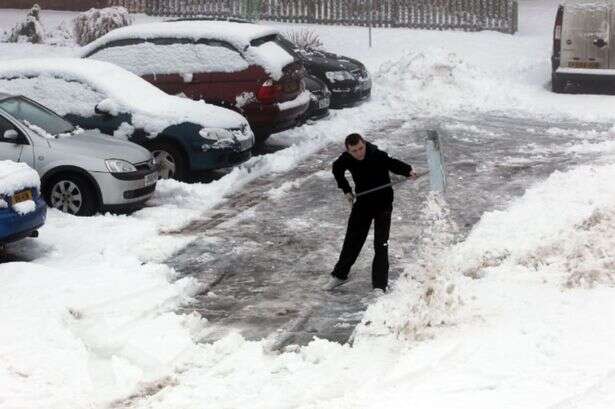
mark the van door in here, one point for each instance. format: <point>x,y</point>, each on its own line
<point>612,41</point>
<point>586,35</point>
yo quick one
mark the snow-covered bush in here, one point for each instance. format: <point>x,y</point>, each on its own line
<point>94,23</point>
<point>61,35</point>
<point>30,30</point>
<point>305,39</point>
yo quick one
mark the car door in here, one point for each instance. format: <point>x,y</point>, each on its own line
<point>586,36</point>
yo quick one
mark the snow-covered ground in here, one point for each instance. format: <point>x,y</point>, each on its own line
<point>520,314</point>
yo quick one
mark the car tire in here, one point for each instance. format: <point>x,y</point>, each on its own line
<point>171,159</point>
<point>73,194</point>
<point>261,136</point>
<point>557,85</point>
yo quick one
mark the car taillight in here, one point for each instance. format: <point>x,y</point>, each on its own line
<point>557,32</point>
<point>269,92</point>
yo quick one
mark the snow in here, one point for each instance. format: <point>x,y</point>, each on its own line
<point>17,176</point>
<point>25,207</point>
<point>586,71</point>
<point>299,100</point>
<point>114,88</point>
<point>268,55</point>
<point>518,314</point>
<point>148,58</point>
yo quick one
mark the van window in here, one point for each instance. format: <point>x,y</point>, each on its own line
<point>173,56</point>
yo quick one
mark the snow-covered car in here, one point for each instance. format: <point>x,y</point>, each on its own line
<point>234,65</point>
<point>184,135</point>
<point>22,208</point>
<point>583,36</point>
<point>81,172</point>
<point>347,78</point>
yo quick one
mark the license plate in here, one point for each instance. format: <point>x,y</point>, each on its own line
<point>323,103</point>
<point>22,196</point>
<point>151,178</point>
<point>584,64</point>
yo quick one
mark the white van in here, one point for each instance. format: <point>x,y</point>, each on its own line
<point>583,44</point>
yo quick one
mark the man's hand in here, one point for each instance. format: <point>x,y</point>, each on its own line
<point>412,175</point>
<point>349,198</point>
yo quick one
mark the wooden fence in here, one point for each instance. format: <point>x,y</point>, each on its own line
<point>469,15</point>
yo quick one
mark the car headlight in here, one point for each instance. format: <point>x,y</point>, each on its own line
<point>334,76</point>
<point>119,166</point>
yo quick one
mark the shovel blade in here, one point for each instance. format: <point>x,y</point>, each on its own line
<point>435,162</point>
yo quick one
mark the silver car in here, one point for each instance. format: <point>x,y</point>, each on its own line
<point>82,172</point>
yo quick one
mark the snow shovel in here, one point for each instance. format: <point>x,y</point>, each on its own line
<point>437,177</point>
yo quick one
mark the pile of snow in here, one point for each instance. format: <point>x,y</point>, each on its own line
<point>30,30</point>
<point>559,229</point>
<point>240,35</point>
<point>15,177</point>
<point>94,23</point>
<point>84,84</point>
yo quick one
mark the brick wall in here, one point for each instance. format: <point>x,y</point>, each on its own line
<point>77,5</point>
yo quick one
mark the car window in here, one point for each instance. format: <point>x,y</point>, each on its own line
<point>36,117</point>
<point>174,56</point>
<point>58,94</point>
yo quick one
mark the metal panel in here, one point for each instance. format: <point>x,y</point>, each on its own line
<point>583,28</point>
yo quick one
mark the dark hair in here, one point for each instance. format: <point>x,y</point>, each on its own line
<point>353,139</point>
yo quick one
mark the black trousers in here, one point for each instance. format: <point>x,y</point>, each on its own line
<point>358,228</point>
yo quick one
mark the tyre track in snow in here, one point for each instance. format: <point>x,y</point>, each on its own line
<point>263,257</point>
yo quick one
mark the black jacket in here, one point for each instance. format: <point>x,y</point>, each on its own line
<point>372,171</point>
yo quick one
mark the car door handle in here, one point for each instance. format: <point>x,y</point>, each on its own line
<point>599,42</point>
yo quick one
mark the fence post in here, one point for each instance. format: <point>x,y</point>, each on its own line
<point>515,17</point>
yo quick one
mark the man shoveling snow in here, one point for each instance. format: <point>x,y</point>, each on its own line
<point>370,169</point>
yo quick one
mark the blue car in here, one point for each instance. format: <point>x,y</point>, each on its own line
<point>22,208</point>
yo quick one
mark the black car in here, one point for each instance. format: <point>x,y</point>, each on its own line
<point>320,98</point>
<point>346,78</point>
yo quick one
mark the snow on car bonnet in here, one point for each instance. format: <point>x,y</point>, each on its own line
<point>17,176</point>
<point>63,83</point>
<point>268,55</point>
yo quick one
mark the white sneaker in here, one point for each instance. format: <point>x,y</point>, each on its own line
<point>333,283</point>
<point>377,292</point>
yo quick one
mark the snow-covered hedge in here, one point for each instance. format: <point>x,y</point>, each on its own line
<point>305,39</point>
<point>30,30</point>
<point>94,23</point>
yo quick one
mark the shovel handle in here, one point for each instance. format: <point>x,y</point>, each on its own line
<point>418,175</point>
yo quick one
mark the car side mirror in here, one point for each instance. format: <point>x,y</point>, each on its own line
<point>11,135</point>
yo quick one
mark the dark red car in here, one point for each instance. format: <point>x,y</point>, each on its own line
<point>235,65</point>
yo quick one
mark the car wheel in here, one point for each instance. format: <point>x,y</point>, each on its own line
<point>171,160</point>
<point>72,194</point>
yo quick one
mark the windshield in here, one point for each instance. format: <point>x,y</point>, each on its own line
<point>32,114</point>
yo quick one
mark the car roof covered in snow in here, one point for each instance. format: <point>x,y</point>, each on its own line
<point>128,92</point>
<point>4,95</point>
<point>237,34</point>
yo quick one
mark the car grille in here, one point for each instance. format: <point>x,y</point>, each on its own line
<point>133,194</point>
<point>146,166</point>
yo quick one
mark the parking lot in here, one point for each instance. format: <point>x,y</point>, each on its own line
<point>264,254</point>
